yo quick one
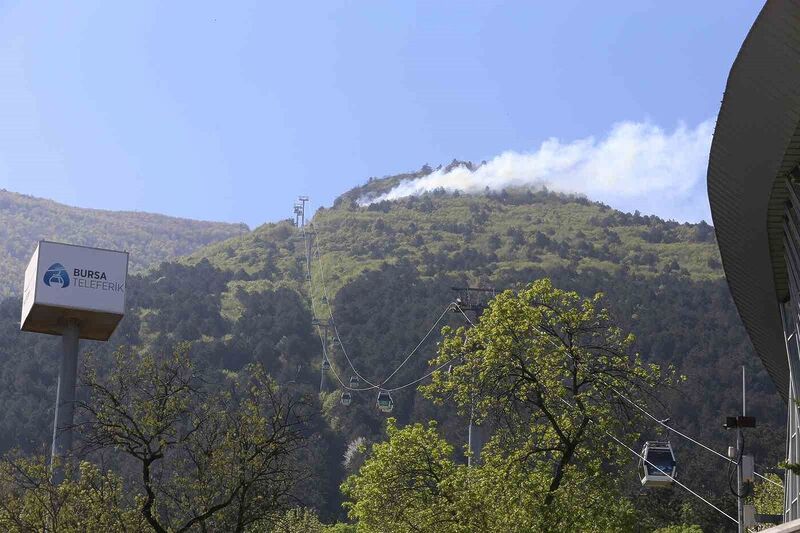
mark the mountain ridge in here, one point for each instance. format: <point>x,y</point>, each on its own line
<point>388,272</point>
<point>150,237</point>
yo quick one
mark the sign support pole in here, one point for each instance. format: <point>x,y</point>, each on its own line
<point>65,400</point>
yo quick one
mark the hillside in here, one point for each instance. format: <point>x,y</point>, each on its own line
<point>150,238</point>
<point>388,269</point>
<point>485,238</point>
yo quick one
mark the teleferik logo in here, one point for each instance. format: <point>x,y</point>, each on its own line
<point>56,276</point>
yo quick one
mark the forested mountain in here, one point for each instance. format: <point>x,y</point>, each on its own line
<point>149,238</point>
<point>385,271</point>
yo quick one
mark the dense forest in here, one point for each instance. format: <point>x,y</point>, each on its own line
<point>149,238</point>
<point>385,272</point>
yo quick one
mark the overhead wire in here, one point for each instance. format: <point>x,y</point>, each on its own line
<point>310,281</point>
<point>425,376</point>
<point>428,334</point>
<point>644,459</point>
<point>640,456</point>
<point>372,386</point>
<point>684,486</point>
<point>330,309</point>
<point>687,437</point>
<point>639,407</point>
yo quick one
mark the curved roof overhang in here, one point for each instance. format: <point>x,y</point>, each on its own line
<point>756,143</point>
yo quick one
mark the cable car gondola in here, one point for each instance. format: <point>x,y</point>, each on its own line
<point>657,464</point>
<point>326,365</point>
<point>354,382</point>
<point>385,402</point>
<point>347,398</point>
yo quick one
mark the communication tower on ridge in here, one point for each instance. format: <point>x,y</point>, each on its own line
<point>302,210</point>
<point>298,210</point>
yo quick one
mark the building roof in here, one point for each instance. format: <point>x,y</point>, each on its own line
<point>756,142</point>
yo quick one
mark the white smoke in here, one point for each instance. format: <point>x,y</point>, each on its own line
<point>637,165</point>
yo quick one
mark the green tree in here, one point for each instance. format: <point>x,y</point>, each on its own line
<point>683,528</point>
<point>299,520</point>
<point>91,500</point>
<point>406,484</point>
<point>209,458</point>
<point>411,483</point>
<point>545,370</point>
<point>768,498</point>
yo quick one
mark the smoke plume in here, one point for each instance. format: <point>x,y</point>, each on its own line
<point>637,166</point>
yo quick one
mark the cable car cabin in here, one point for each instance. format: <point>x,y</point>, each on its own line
<point>326,365</point>
<point>347,398</point>
<point>385,402</point>
<point>657,465</point>
<point>354,382</point>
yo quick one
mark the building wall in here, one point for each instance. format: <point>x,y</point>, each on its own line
<point>790,314</point>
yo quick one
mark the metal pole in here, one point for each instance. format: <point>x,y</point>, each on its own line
<point>324,358</point>
<point>469,436</point>
<point>65,400</point>
<point>744,394</point>
<point>740,454</point>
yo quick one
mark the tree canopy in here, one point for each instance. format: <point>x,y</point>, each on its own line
<point>545,370</point>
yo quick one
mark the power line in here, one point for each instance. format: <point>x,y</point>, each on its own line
<point>330,312</point>
<point>693,493</point>
<point>637,454</point>
<point>687,437</point>
<point>372,386</point>
<point>418,345</point>
<point>637,406</point>
<point>425,376</point>
<point>644,459</point>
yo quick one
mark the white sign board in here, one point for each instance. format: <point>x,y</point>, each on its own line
<point>66,282</point>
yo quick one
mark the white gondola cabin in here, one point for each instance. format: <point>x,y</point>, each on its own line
<point>385,402</point>
<point>657,465</point>
<point>354,383</point>
<point>326,365</point>
<point>347,398</point>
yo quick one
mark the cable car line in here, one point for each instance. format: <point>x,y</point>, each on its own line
<point>333,370</point>
<point>643,410</point>
<point>330,312</point>
<point>639,407</point>
<point>330,308</point>
<point>429,374</point>
<point>362,389</point>
<point>642,458</point>
<point>428,334</point>
<point>687,437</point>
<point>650,463</point>
<point>372,386</point>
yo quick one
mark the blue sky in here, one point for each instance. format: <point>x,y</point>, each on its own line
<point>228,111</point>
